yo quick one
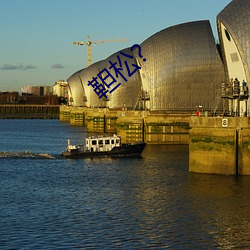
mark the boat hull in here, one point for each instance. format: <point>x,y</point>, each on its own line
<point>126,150</point>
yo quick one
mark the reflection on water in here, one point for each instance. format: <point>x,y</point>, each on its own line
<point>224,201</point>
<point>107,203</point>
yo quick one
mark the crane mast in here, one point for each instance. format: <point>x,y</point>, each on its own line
<point>89,43</point>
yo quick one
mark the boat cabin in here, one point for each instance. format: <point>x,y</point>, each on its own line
<point>104,143</point>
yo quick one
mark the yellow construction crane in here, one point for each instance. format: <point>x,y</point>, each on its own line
<point>89,43</point>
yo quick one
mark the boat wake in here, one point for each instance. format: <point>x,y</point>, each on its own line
<point>26,154</point>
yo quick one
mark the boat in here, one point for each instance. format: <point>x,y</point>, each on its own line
<point>101,146</point>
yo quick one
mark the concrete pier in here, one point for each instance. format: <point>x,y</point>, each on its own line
<point>132,126</point>
<point>219,145</point>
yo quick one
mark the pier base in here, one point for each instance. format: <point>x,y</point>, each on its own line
<point>219,145</point>
<point>132,126</point>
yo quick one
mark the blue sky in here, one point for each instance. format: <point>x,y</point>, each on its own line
<point>36,35</point>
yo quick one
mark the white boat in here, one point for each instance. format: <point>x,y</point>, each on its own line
<point>103,146</point>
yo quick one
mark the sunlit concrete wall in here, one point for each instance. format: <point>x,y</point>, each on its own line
<point>219,145</point>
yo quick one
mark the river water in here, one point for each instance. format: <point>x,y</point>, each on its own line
<point>150,203</point>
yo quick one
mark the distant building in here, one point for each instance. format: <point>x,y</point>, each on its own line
<point>60,89</point>
<point>40,100</point>
<point>30,90</point>
<point>9,97</point>
<point>47,90</point>
<point>39,95</point>
<point>37,90</point>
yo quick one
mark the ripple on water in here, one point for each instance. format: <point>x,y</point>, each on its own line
<point>145,203</point>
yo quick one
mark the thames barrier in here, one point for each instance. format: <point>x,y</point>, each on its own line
<point>218,145</point>
<point>186,89</point>
<point>154,92</point>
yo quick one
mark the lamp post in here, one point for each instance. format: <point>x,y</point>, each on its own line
<point>201,107</point>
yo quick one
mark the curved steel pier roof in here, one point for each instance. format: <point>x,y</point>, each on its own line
<point>183,68</point>
<point>235,18</point>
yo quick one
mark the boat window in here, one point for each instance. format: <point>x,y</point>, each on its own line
<point>100,142</point>
<point>117,141</point>
<point>112,142</point>
<point>93,142</point>
<point>106,141</point>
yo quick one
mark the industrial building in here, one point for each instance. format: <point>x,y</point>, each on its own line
<point>60,89</point>
<point>9,97</point>
<point>37,90</point>
<point>182,67</point>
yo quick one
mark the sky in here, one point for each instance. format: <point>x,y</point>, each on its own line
<point>36,35</point>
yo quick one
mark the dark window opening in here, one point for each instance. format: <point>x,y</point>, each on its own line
<point>227,35</point>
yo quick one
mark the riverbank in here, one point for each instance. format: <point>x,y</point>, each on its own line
<point>25,111</point>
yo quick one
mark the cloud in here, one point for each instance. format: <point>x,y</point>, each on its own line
<point>29,67</point>
<point>7,66</point>
<point>57,66</point>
